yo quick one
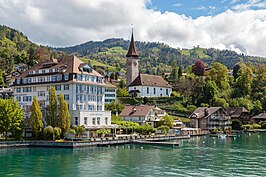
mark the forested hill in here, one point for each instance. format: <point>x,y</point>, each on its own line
<point>16,48</point>
<point>155,57</point>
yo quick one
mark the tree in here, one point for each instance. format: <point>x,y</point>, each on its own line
<point>235,70</point>
<point>164,128</point>
<point>179,72</point>
<point>63,115</point>
<point>2,83</point>
<point>244,81</point>
<point>52,109</point>
<point>210,90</point>
<point>122,92</point>
<point>122,83</point>
<point>174,72</point>
<point>115,107</point>
<point>79,130</point>
<point>35,120</point>
<point>48,133</point>
<point>11,118</point>
<point>198,68</point>
<point>57,133</point>
<point>167,121</point>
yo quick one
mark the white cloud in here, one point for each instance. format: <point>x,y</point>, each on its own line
<point>199,8</point>
<point>68,22</point>
<point>250,4</point>
<point>177,5</point>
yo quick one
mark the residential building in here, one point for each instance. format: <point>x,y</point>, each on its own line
<point>83,89</point>
<point>239,113</point>
<point>142,114</point>
<point>143,85</point>
<point>259,118</point>
<point>110,93</point>
<point>208,118</point>
<point>6,93</point>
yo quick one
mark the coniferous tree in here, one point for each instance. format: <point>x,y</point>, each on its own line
<point>35,120</point>
<point>63,115</point>
<point>52,108</point>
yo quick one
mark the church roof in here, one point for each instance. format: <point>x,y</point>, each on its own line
<point>132,52</point>
<point>150,80</point>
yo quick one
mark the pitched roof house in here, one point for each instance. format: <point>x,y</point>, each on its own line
<point>208,118</point>
<point>259,118</point>
<point>142,114</point>
<point>239,113</point>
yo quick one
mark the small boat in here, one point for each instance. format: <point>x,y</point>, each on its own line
<point>222,136</point>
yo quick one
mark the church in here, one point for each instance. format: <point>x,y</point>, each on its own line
<point>143,85</point>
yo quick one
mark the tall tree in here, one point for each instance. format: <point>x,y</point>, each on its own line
<point>63,115</point>
<point>235,70</point>
<point>35,120</point>
<point>174,72</point>
<point>244,81</point>
<point>52,109</point>
<point>198,68</point>
<point>11,117</point>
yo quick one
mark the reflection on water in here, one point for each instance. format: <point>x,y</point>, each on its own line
<point>243,155</point>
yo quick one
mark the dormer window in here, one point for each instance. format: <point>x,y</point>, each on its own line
<point>66,77</point>
<point>43,71</point>
<point>50,70</point>
<point>18,81</point>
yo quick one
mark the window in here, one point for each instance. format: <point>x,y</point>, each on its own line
<point>66,96</point>
<point>41,93</point>
<point>93,121</point>
<point>98,120</point>
<point>18,90</point>
<point>43,71</point>
<point>18,81</point>
<point>166,91</point>
<point>66,87</point>
<point>154,90</point>
<point>66,77</point>
<point>58,87</point>
<point>76,121</point>
<point>59,77</point>
<point>106,120</point>
<point>85,120</point>
<point>147,90</point>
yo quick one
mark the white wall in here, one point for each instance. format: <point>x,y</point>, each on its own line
<point>159,91</point>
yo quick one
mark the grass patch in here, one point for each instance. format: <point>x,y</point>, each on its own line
<point>96,63</point>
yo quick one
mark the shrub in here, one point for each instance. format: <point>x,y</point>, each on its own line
<point>57,133</point>
<point>49,133</point>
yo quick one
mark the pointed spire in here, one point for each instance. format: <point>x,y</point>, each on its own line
<point>132,52</point>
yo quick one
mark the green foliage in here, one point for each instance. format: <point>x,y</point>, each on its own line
<point>236,124</point>
<point>57,133</point>
<point>63,115</point>
<point>244,81</point>
<point>103,132</point>
<point>35,120</point>
<point>251,126</point>
<point>48,133</point>
<point>167,121</point>
<point>122,83</point>
<point>122,92</point>
<point>52,109</point>
<point>79,130</point>
<point>114,107</point>
<point>11,118</point>
<point>164,128</point>
<point>242,102</point>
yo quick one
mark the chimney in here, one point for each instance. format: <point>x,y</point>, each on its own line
<point>206,113</point>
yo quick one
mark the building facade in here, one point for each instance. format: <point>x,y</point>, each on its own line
<point>110,93</point>
<point>83,89</point>
<point>239,113</point>
<point>209,118</point>
<point>142,114</point>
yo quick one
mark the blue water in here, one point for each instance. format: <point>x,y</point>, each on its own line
<point>244,155</point>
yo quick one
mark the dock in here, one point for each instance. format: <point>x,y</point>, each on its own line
<point>154,143</point>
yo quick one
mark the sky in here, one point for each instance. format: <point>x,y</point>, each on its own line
<point>238,25</point>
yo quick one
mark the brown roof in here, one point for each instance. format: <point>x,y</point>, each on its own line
<point>150,80</point>
<point>200,111</point>
<point>132,52</point>
<point>260,116</point>
<point>70,64</point>
<point>136,111</point>
<point>236,111</point>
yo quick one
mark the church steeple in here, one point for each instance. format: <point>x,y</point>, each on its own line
<point>132,52</point>
<point>132,62</point>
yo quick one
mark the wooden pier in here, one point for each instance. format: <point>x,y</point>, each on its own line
<point>154,143</point>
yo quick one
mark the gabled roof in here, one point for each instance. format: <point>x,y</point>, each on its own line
<point>70,64</point>
<point>132,52</point>
<point>200,112</point>
<point>260,116</point>
<point>236,111</point>
<point>136,111</point>
<point>150,80</point>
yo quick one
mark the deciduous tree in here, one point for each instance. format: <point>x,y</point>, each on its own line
<point>35,120</point>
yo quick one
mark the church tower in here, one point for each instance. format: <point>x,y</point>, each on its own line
<point>132,62</point>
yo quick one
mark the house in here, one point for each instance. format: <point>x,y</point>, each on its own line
<point>259,118</point>
<point>208,118</point>
<point>143,85</point>
<point>83,89</point>
<point>142,114</point>
<point>6,93</point>
<point>239,113</point>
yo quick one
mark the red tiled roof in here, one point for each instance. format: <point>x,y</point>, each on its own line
<point>150,80</point>
<point>136,111</point>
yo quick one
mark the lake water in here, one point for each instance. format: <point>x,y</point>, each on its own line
<point>244,155</point>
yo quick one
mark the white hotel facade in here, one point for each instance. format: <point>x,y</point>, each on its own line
<point>83,89</point>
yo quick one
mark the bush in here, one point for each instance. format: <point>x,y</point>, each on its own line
<point>236,124</point>
<point>48,133</point>
<point>57,133</point>
<point>164,128</point>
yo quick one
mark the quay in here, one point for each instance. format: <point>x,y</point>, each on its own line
<point>152,140</point>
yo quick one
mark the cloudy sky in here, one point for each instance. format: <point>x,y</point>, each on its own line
<point>238,25</point>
